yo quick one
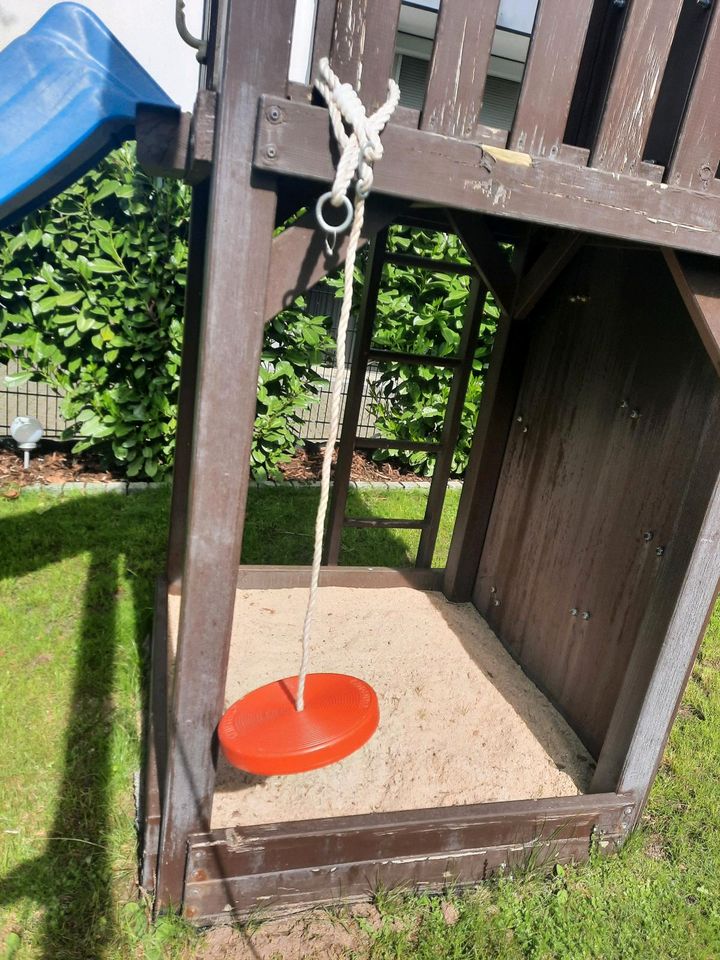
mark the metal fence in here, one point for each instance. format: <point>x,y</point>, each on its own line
<point>41,401</point>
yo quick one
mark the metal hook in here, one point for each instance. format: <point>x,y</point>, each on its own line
<point>190,40</point>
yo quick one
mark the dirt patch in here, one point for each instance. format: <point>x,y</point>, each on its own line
<point>306,466</point>
<point>49,464</point>
<point>310,936</point>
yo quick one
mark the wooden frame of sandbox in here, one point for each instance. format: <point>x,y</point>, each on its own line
<point>588,528</point>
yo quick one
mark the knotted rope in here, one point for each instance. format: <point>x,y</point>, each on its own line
<point>359,150</point>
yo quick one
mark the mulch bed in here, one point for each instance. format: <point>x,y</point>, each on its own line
<point>53,463</point>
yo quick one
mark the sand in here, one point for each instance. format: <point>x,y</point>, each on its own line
<point>459,720</point>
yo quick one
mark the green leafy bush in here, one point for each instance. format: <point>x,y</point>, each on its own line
<point>421,312</point>
<point>91,298</point>
<point>91,303</point>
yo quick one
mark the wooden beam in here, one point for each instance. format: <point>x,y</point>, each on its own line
<point>698,280</point>
<point>429,168</point>
<point>543,273</point>
<point>267,577</point>
<point>556,45</point>
<point>241,220</point>
<point>264,869</point>
<point>697,151</point>
<point>188,382</point>
<point>487,257</point>
<point>175,144</point>
<point>635,85</point>
<point>458,68</point>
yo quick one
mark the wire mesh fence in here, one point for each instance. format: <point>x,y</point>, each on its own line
<point>41,401</point>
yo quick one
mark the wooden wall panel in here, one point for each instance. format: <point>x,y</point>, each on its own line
<point>613,453</point>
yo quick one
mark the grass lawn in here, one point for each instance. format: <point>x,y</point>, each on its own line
<point>76,584</point>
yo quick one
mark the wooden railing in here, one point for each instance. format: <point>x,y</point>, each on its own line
<point>606,57</point>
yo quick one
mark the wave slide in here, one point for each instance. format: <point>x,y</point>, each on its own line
<point>69,92</point>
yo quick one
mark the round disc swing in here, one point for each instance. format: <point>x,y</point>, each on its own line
<point>314,719</point>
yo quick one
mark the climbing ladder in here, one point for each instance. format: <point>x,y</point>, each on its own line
<point>363,354</point>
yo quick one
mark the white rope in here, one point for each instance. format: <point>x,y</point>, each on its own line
<point>359,150</point>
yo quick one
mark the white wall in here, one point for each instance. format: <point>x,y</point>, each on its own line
<point>145,27</point>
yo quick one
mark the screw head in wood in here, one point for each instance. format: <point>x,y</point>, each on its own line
<point>586,615</point>
<point>493,589</point>
<point>648,535</point>
<point>624,404</point>
<point>659,551</point>
<point>274,114</point>
<point>496,602</point>
<point>271,151</point>
<point>574,612</point>
<point>635,415</point>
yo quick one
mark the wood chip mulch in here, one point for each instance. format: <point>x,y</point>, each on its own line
<point>306,466</point>
<point>47,465</point>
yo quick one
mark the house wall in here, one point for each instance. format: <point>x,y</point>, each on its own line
<point>145,27</point>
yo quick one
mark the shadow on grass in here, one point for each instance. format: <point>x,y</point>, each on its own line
<point>71,880</point>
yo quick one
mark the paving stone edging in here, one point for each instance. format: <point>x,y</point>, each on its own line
<point>136,486</point>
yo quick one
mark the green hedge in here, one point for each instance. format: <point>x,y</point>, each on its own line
<point>91,299</point>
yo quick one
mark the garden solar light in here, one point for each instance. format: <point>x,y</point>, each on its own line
<point>27,433</point>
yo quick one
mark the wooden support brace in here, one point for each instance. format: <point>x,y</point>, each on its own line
<point>551,262</point>
<point>488,259</point>
<point>432,169</point>
<point>698,280</point>
<point>175,144</point>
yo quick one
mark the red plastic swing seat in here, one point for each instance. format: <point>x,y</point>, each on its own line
<point>263,733</point>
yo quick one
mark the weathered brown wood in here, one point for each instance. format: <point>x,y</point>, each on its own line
<point>612,459</point>
<point>500,388</point>
<point>294,865</point>
<point>635,85</point>
<point>373,578</point>
<point>451,424</point>
<point>241,220</point>
<point>489,260</point>
<point>353,400</point>
<point>433,169</point>
<point>655,679</point>
<point>697,152</point>
<point>543,273</point>
<point>299,260</point>
<point>363,46</point>
<point>202,137</point>
<point>698,280</point>
<point>155,740</point>
<point>163,136</point>
<point>458,67</point>
<point>549,79</point>
<point>322,38</point>
<point>384,523</point>
<point>188,382</point>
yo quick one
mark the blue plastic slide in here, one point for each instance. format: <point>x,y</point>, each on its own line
<point>68,95</point>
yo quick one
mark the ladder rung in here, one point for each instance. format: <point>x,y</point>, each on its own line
<point>413,358</point>
<point>380,443</point>
<point>427,263</point>
<point>383,522</point>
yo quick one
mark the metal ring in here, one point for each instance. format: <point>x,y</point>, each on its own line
<point>331,227</point>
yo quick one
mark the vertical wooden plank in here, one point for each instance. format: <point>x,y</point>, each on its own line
<point>363,47</point>
<point>552,66</point>
<point>451,424</point>
<point>353,400</point>
<point>459,66</point>
<point>188,381</point>
<point>635,740</point>
<point>697,152</point>
<point>635,85</point>
<point>322,42</point>
<point>241,220</point>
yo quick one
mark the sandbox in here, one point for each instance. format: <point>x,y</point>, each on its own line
<point>460,722</point>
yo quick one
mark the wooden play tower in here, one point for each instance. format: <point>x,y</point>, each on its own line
<point>588,529</point>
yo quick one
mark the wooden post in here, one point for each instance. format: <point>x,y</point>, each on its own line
<point>241,219</point>
<point>188,381</point>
